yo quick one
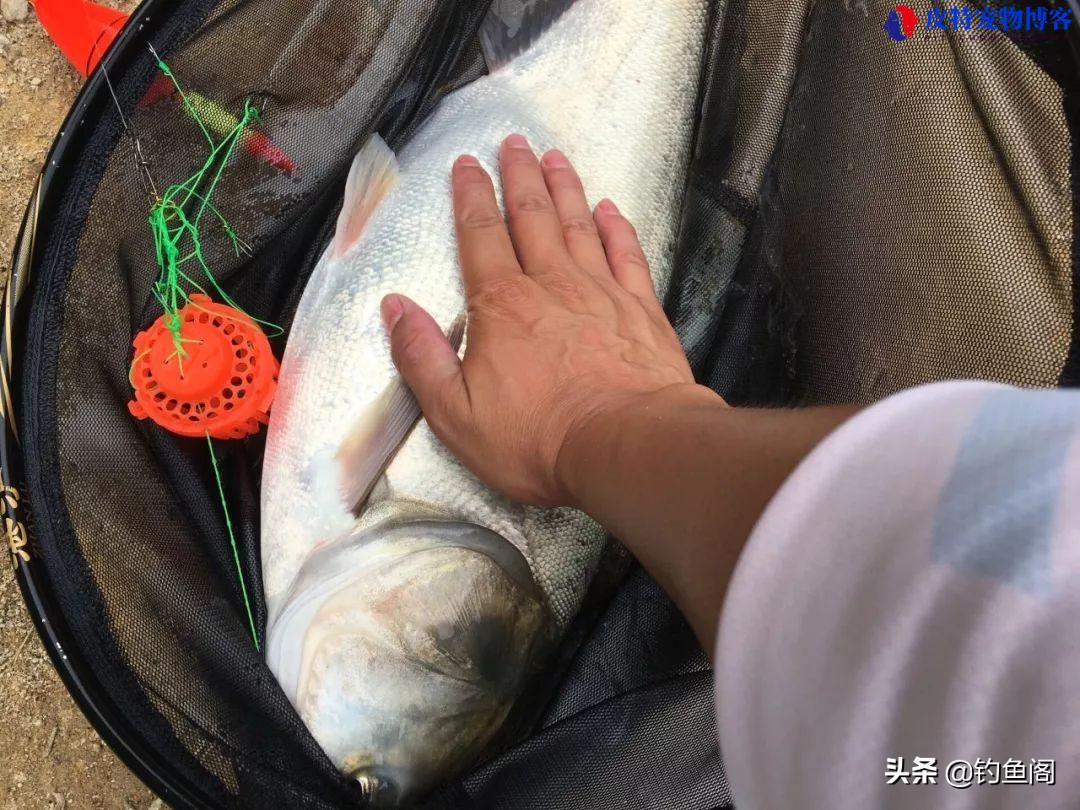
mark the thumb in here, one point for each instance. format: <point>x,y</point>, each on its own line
<point>425,358</point>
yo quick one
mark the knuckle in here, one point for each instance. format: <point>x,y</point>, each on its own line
<point>630,257</point>
<point>409,348</point>
<point>440,404</point>
<point>479,219</point>
<point>530,203</point>
<point>558,283</point>
<point>501,295</point>
<point>578,226</point>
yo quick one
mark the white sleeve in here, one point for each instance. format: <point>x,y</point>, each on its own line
<point>913,590</point>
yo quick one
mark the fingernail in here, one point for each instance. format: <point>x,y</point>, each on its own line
<point>516,141</point>
<point>467,160</point>
<point>555,159</point>
<point>607,206</point>
<point>392,308</point>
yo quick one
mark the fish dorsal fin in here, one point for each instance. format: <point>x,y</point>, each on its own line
<point>379,432</point>
<point>512,26</point>
<point>373,174</point>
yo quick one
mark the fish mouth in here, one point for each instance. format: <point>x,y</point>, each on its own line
<point>404,647</point>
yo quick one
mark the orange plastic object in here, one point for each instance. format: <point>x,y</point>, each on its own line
<point>222,387</point>
<point>81,29</point>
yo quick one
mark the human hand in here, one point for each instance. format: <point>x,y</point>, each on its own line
<point>564,327</point>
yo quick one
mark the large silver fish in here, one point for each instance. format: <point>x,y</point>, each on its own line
<point>403,635</point>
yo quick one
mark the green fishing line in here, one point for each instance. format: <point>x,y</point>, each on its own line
<point>232,542</point>
<point>175,220</point>
<point>177,236</point>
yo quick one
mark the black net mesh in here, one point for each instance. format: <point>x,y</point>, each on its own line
<point>867,215</point>
<point>861,215</point>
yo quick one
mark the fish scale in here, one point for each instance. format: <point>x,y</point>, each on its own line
<point>613,84</point>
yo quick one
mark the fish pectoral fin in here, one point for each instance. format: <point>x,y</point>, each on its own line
<point>373,441</point>
<point>373,174</point>
<point>378,434</point>
<point>512,26</point>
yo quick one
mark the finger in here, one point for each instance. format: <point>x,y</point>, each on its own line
<point>578,227</point>
<point>483,241</point>
<point>624,254</point>
<point>426,360</point>
<point>534,225</point>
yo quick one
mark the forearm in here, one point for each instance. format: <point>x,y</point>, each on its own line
<point>680,478</point>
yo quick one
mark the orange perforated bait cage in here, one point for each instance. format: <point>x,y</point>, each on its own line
<point>222,383</point>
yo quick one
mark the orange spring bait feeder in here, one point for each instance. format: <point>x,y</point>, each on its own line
<point>221,385</point>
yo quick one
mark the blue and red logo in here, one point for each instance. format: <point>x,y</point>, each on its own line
<point>900,24</point>
<point>967,20</point>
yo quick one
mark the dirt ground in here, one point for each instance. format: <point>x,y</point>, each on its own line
<point>52,757</point>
